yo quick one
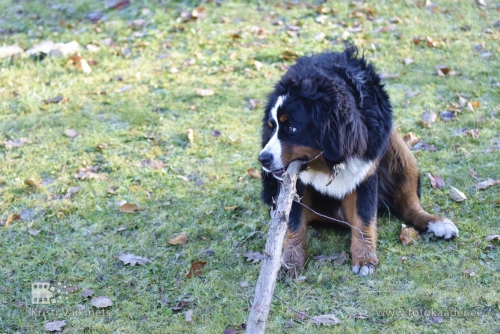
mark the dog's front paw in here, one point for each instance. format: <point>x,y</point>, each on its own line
<point>293,261</point>
<point>364,270</point>
<point>443,228</point>
<point>364,265</point>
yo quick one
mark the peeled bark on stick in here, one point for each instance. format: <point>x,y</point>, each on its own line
<point>271,263</point>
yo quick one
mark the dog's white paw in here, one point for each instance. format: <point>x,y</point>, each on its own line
<point>443,229</point>
<point>366,269</point>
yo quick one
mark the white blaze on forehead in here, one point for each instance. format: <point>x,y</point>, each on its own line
<point>274,146</point>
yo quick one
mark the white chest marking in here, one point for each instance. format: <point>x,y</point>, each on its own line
<point>273,146</point>
<point>346,181</point>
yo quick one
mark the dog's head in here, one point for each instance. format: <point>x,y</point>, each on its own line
<point>309,114</point>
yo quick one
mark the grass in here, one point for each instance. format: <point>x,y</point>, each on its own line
<point>164,62</point>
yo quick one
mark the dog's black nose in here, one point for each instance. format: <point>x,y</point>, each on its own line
<point>265,159</point>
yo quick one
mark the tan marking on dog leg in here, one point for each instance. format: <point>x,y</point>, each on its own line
<point>363,238</point>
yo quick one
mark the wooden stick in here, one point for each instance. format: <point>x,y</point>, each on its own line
<point>271,263</point>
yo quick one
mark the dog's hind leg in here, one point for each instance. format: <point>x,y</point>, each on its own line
<point>403,171</point>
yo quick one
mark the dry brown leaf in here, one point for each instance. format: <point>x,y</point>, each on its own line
<point>129,208</point>
<point>486,184</point>
<point>80,63</point>
<point>102,146</point>
<point>343,257</point>
<point>89,173</point>
<point>199,13</point>
<point>56,99</point>
<point>475,104</point>
<point>55,326</point>
<point>180,305</point>
<point>442,71</point>
<point>153,164</point>
<point>469,272</point>
<point>474,133</point>
<point>11,218</point>
<point>196,269</point>
<point>408,235</point>
<point>71,192</point>
<point>101,302</point>
<point>15,143</point>
<point>71,133</point>
<point>473,173</point>
<point>411,139</point>
<point>327,319</point>
<point>253,103</point>
<point>132,259</point>
<point>436,181</point>
<point>204,92</point>
<point>457,195</point>
<point>253,256</point>
<point>180,239</point>
<point>31,183</point>
<point>254,173</point>
<point>493,237</point>
<point>428,118</point>
<point>230,208</point>
<point>87,293</point>
<point>289,55</point>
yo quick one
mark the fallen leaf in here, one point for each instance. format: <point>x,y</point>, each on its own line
<point>71,133</point>
<point>428,118</point>
<point>254,256</point>
<point>474,133</point>
<point>475,104</point>
<point>15,143</point>
<point>216,133</point>
<point>81,63</point>
<point>180,305</point>
<point>189,315</point>
<point>71,192</point>
<point>87,293</point>
<point>124,89</point>
<point>442,70</point>
<point>88,173</point>
<point>408,235</point>
<point>180,239</point>
<point>473,173</point>
<point>33,231</point>
<point>424,146</point>
<point>102,146</point>
<point>121,228</point>
<point>258,65</point>
<point>31,183</point>
<point>117,4</point>
<point>325,258</point>
<point>132,259</point>
<point>469,272</point>
<point>56,99</point>
<point>457,195</point>
<point>230,208</point>
<point>361,316</point>
<point>254,173</point>
<point>129,208</point>
<point>437,320</point>
<point>343,257</point>
<point>253,103</point>
<point>408,61</point>
<point>410,139</point>
<point>327,319</point>
<point>153,164</point>
<point>447,115</point>
<point>11,218</point>
<point>196,269</point>
<point>244,284</point>
<point>436,181</point>
<point>190,136</point>
<point>54,326</point>
<point>486,184</point>
<point>199,13</point>
<point>493,237</point>
<point>101,302</point>
<point>289,55</point>
<point>204,92</point>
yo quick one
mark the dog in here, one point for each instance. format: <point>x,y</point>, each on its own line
<point>331,112</point>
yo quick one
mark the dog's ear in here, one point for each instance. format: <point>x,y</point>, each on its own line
<point>342,132</point>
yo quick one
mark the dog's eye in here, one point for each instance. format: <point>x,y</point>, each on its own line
<point>291,129</point>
